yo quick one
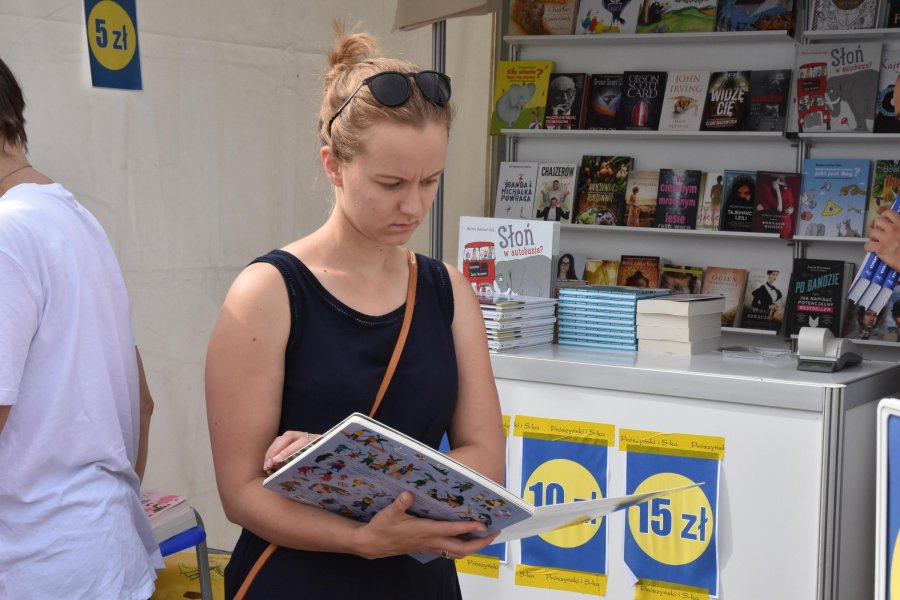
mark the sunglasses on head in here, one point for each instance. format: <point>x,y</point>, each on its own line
<point>391,88</point>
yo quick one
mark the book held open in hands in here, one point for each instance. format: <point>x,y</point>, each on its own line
<point>360,466</point>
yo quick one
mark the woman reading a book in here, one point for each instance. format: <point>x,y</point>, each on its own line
<point>306,333</point>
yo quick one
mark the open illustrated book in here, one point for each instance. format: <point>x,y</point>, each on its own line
<point>360,466</point>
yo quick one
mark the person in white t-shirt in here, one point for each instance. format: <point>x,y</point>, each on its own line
<point>74,405</point>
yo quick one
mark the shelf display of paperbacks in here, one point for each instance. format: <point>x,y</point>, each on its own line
<point>765,299</point>
<point>566,101</point>
<point>681,279</point>
<point>676,16</point>
<point>606,16</point>
<point>683,103</point>
<point>885,188</point>
<point>816,295</point>
<point>775,203</point>
<point>839,14</point>
<point>767,100</point>
<point>600,197</point>
<point>677,198</point>
<point>520,94</point>
<point>708,215</point>
<point>604,99</point>
<point>737,210</point>
<point>642,99</point>
<point>754,15</point>
<point>515,190</point>
<point>729,283</point>
<point>542,17</point>
<point>553,200</point>
<point>508,256</point>
<point>833,197</point>
<point>639,271</point>
<point>726,101</point>
<point>837,86</point>
<point>640,203</point>
<point>887,118</point>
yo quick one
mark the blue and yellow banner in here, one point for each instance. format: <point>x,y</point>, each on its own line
<point>112,35</point>
<point>670,542</point>
<point>564,461</point>
<point>892,572</point>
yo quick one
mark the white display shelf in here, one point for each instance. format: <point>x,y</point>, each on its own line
<point>696,136</point>
<point>851,34</point>
<point>763,332</point>
<point>830,240</point>
<point>602,230</point>
<point>879,138</point>
<point>716,37</point>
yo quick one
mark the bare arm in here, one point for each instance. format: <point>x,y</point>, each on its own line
<point>476,434</point>
<point>146,408</point>
<point>4,413</point>
<point>244,379</point>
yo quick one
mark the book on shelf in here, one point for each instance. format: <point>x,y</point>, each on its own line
<point>604,99</point>
<point>861,323</point>
<point>726,101</point>
<point>681,305</point>
<point>710,210</point>
<point>600,195</point>
<point>730,283</point>
<point>683,102</point>
<point>834,197</point>
<point>639,271</point>
<point>508,256</point>
<point>775,203</point>
<point>681,279</point>
<point>816,294</point>
<point>678,198</point>
<point>679,322</point>
<point>375,463</point>
<point>168,514</point>
<point>677,16</point>
<point>598,271</point>
<point>765,299</point>
<point>570,267</point>
<point>516,187</point>
<point>767,100</point>
<point>642,100</point>
<point>837,14</point>
<point>885,188</point>
<point>566,101</point>
<point>604,16</point>
<point>739,189</point>
<point>837,84</point>
<point>677,347</point>
<point>891,14</point>
<point>640,201</point>
<point>537,17</point>
<point>625,295</point>
<point>555,185</point>
<point>520,94</point>
<point>754,15</point>
<point>887,117</point>
<point>674,334</point>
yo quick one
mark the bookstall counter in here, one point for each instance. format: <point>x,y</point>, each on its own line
<point>796,492</point>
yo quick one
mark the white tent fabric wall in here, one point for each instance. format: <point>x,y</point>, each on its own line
<point>214,163</point>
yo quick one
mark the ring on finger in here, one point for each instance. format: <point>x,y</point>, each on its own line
<point>446,554</point>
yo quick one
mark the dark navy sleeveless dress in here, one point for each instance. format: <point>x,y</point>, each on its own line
<point>334,363</point>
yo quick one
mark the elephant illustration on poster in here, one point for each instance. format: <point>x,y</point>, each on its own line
<point>858,91</point>
<point>530,276</point>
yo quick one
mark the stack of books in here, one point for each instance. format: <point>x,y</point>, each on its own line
<point>683,324</point>
<point>169,514</point>
<point>517,321</point>
<point>601,316</point>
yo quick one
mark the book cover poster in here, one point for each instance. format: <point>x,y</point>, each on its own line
<point>678,198</point>
<point>598,271</point>
<point>685,96</point>
<point>730,283</point>
<point>776,200</point>
<point>640,204</point>
<point>833,198</point>
<point>642,98</point>
<point>563,461</point>
<point>566,101</point>
<point>737,208</point>
<point>726,100</point>
<point>676,16</point>
<point>840,14</point>
<point>606,16</point>
<point>767,100</point>
<point>639,271</point>
<point>755,15</point>
<point>542,17</point>
<point>885,188</point>
<point>520,94</point>
<point>604,99</point>
<point>815,295</point>
<point>516,183</point>
<point>887,119</point>
<point>837,85</point>
<point>680,279</point>
<point>709,214</point>
<point>508,256</point>
<point>600,196</point>
<point>555,188</point>
<point>765,299</point>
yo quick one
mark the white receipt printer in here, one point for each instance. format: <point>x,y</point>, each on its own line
<point>818,350</point>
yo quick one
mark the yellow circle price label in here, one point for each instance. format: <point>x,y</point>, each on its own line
<point>561,480</point>
<point>111,35</point>
<point>672,530</point>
